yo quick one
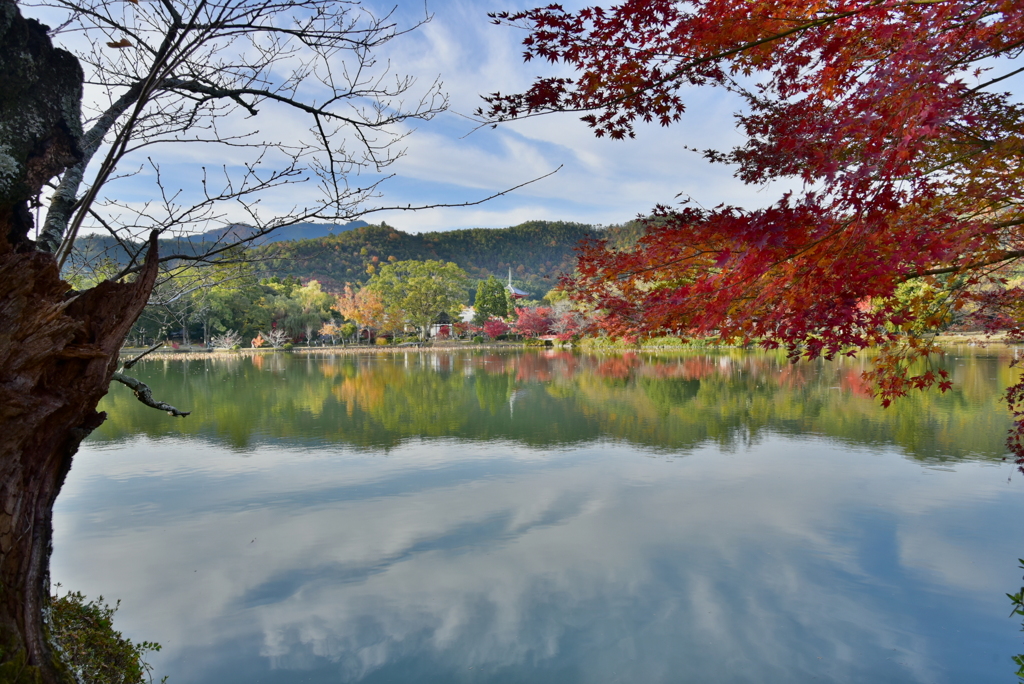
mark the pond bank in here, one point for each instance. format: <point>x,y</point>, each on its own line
<point>662,344</point>
<point>201,353</point>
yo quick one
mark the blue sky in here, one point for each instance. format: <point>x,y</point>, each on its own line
<point>601,181</point>
<point>450,159</point>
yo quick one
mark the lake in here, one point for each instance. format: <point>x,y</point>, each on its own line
<point>470,516</point>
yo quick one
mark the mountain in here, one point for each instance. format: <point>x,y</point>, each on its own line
<point>300,231</point>
<point>92,249</point>
<point>536,251</point>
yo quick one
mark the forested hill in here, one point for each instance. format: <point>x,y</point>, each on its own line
<point>536,251</point>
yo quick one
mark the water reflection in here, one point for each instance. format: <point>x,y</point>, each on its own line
<point>557,398</point>
<point>490,518</point>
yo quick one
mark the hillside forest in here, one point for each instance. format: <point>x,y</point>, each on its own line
<point>331,288</point>
<point>295,290</point>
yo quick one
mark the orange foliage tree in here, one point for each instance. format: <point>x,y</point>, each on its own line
<point>888,115</point>
<point>364,307</point>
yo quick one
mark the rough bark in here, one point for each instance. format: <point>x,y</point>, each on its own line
<point>58,348</point>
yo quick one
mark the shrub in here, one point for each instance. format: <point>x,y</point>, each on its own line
<point>382,340</point>
<point>478,339</point>
<point>84,633</point>
<point>287,346</point>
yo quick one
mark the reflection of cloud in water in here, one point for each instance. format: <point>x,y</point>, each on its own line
<point>581,565</point>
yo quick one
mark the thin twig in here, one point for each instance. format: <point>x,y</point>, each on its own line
<point>139,357</point>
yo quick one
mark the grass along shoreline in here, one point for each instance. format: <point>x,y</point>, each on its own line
<point>590,345</point>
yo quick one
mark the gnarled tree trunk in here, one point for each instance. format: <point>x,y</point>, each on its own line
<point>58,348</point>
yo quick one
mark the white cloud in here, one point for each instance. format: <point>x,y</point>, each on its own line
<point>447,161</point>
<point>359,560</point>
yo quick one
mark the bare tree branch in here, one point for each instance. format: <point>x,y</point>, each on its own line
<point>199,71</point>
<point>129,364</point>
<point>145,395</point>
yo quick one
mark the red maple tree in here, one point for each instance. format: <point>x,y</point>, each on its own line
<point>888,113</point>
<point>495,328</point>
<point>533,321</point>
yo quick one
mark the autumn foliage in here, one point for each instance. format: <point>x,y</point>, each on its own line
<point>495,328</point>
<point>364,307</point>
<point>889,119</point>
<point>533,321</point>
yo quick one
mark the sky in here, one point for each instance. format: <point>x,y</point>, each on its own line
<point>598,181</point>
<point>451,159</point>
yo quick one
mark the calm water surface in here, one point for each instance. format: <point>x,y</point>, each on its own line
<point>545,517</point>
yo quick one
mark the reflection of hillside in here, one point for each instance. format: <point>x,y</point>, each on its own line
<point>559,398</point>
<point>729,397</point>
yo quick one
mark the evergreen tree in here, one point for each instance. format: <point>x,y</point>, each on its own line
<point>490,300</point>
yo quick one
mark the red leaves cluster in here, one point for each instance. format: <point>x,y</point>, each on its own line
<point>1015,400</point>
<point>495,327</point>
<point>889,112</point>
<point>533,321</point>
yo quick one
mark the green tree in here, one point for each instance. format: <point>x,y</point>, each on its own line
<point>491,300</point>
<point>417,292</point>
<point>234,305</point>
<point>176,303</point>
<point>297,309</point>
<point>314,308</point>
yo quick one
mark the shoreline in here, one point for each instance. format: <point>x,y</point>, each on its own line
<point>351,349</point>
<point>973,339</point>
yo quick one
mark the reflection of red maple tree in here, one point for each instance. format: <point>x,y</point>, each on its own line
<point>910,164</point>
<point>533,368</point>
<point>853,381</point>
<point>618,367</point>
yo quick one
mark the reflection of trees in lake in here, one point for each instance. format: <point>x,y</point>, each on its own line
<point>552,398</point>
<point>732,396</point>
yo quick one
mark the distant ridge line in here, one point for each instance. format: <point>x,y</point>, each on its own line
<point>236,232</point>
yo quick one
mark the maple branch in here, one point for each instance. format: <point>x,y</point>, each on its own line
<point>680,70</point>
<point>1005,256</point>
<point>996,80</point>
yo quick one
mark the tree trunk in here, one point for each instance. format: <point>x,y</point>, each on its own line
<point>58,348</point>
<point>58,356</point>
